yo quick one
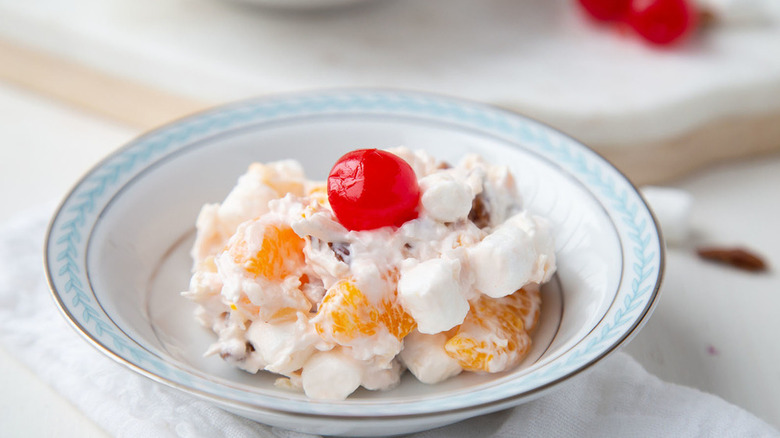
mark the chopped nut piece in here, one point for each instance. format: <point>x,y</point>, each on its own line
<point>341,250</point>
<point>479,213</point>
<point>736,257</point>
<point>707,18</point>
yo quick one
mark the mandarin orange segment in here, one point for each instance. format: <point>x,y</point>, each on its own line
<point>345,314</point>
<point>319,194</point>
<point>493,337</point>
<point>284,314</point>
<point>394,317</point>
<point>280,254</point>
<point>274,308</point>
<point>246,306</point>
<point>392,314</point>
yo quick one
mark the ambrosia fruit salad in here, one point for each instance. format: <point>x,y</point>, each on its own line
<point>398,261</point>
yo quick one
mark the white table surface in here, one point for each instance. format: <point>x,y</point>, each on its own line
<point>540,57</point>
<point>715,328</point>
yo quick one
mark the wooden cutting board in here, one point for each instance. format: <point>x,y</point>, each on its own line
<point>657,114</point>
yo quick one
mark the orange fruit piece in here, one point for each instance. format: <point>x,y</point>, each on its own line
<point>280,254</point>
<point>273,315</point>
<point>394,317</point>
<point>318,195</point>
<point>346,314</point>
<point>493,337</point>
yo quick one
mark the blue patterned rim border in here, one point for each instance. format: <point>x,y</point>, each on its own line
<point>67,241</point>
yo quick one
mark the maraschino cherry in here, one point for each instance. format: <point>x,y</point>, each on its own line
<point>371,188</point>
<point>606,10</point>
<point>661,22</point>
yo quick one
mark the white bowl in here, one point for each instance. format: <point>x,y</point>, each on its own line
<point>117,248</point>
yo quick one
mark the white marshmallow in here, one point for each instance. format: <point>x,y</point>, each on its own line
<point>248,200</point>
<point>446,198</point>
<point>426,358</point>
<point>283,346</point>
<point>431,292</point>
<point>383,378</point>
<point>331,375</point>
<point>518,252</point>
<point>421,162</point>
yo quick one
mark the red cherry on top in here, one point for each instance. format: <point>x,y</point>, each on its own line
<point>662,21</point>
<point>371,188</point>
<point>606,10</point>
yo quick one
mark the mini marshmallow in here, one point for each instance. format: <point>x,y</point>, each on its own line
<point>518,252</point>
<point>382,379</point>
<point>426,358</point>
<point>259,185</point>
<point>284,347</point>
<point>431,292</point>
<point>446,198</point>
<point>331,375</point>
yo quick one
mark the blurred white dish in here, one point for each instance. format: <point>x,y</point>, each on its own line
<point>301,4</point>
<point>116,253</point>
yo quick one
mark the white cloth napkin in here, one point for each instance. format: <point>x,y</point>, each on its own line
<point>617,398</point>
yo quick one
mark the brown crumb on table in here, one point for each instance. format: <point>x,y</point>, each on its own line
<point>707,18</point>
<point>737,257</point>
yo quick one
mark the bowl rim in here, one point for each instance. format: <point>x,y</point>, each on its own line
<point>177,380</point>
